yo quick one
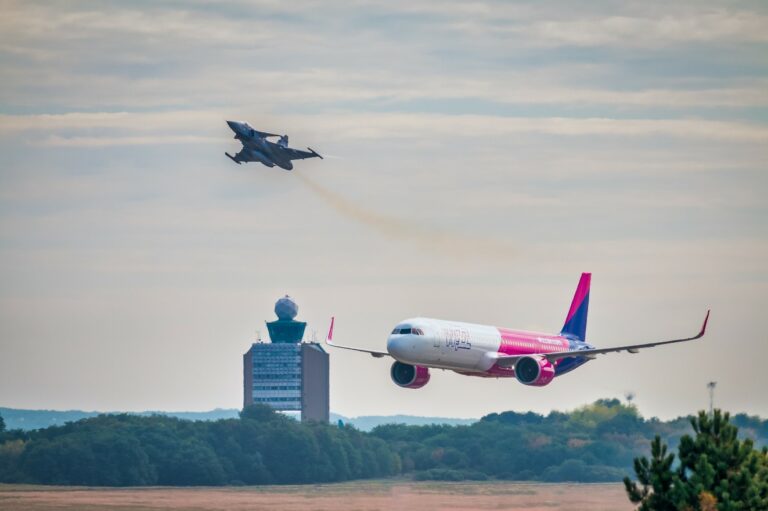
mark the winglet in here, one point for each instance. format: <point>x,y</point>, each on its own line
<point>329,339</point>
<point>704,325</point>
<point>315,153</point>
<point>329,342</point>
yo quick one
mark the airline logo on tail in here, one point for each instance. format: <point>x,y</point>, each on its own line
<point>575,326</point>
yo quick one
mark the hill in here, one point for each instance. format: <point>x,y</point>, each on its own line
<point>28,420</point>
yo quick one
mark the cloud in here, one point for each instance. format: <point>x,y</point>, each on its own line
<point>369,126</point>
<point>57,141</point>
<point>414,125</point>
<point>111,56</point>
<point>650,32</point>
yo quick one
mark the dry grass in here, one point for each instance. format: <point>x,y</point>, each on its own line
<point>358,496</point>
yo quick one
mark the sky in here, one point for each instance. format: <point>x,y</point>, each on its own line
<point>479,157</point>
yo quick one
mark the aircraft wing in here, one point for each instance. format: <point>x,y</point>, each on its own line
<point>329,342</point>
<point>242,157</point>
<point>511,360</point>
<point>297,154</point>
<point>263,134</point>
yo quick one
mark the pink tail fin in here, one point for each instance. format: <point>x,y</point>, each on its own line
<point>576,322</point>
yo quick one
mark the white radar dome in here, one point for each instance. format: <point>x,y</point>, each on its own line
<point>286,308</point>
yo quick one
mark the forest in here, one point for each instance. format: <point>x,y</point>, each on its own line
<point>597,442</point>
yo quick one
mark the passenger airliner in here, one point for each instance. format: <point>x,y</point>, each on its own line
<point>535,359</point>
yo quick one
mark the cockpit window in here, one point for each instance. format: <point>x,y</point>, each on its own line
<point>406,330</point>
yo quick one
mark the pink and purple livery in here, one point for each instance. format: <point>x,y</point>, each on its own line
<point>535,359</point>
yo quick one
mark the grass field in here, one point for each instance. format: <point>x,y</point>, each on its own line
<point>362,496</point>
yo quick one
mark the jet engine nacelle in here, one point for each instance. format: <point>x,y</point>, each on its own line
<point>409,376</point>
<point>534,370</point>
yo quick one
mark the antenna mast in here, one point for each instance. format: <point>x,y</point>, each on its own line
<point>711,386</point>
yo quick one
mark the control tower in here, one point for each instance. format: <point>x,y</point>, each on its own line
<point>286,373</point>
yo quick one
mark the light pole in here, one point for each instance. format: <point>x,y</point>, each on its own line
<point>711,386</point>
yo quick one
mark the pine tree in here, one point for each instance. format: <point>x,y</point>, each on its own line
<point>716,471</point>
<point>717,462</point>
<point>657,479</point>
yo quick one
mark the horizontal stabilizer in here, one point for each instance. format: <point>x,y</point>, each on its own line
<point>315,153</point>
<point>233,158</point>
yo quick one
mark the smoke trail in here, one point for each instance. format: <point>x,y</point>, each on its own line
<point>450,242</point>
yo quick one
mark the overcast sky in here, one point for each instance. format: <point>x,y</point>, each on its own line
<point>480,157</point>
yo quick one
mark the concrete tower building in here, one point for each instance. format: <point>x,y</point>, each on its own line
<point>287,374</point>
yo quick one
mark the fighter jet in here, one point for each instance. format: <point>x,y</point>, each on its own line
<point>256,147</point>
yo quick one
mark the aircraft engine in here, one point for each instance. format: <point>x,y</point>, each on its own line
<point>534,370</point>
<point>409,376</point>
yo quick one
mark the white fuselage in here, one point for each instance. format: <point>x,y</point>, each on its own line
<point>465,347</point>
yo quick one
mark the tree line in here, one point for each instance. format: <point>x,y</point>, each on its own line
<point>597,442</point>
<point>261,447</point>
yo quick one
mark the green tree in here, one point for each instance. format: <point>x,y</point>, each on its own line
<point>100,458</point>
<point>716,469</point>
<point>260,412</point>
<point>10,452</point>
<point>194,464</point>
<point>716,461</point>
<point>2,424</point>
<point>656,479</point>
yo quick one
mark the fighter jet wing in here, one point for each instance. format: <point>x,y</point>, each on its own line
<point>263,134</point>
<point>511,360</point>
<point>242,157</point>
<point>298,154</point>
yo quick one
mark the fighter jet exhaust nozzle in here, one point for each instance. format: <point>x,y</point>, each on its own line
<point>409,376</point>
<point>534,370</point>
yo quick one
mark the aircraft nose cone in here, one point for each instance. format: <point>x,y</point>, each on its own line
<point>231,124</point>
<point>397,346</point>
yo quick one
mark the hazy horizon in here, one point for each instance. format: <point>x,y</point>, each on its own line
<point>479,158</point>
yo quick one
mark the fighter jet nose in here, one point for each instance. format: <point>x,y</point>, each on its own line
<point>231,124</point>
